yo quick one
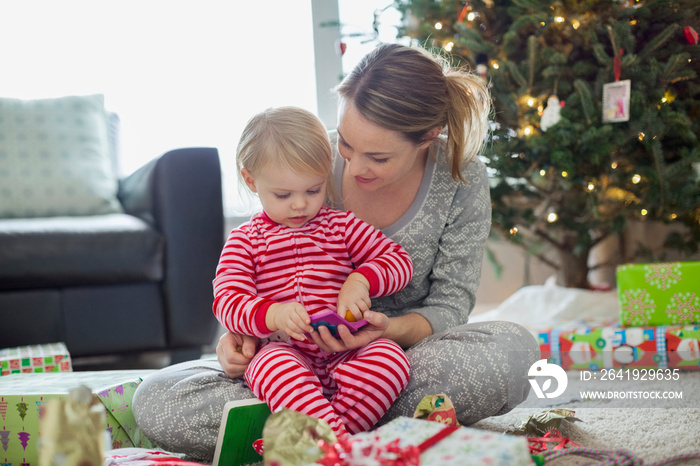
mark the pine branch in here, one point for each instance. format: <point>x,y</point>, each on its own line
<point>515,73</point>
<point>658,155</point>
<point>532,54</point>
<point>658,41</point>
<point>587,104</point>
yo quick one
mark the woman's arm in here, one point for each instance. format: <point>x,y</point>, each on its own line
<point>453,251</point>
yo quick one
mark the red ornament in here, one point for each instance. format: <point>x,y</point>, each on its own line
<point>690,35</point>
<point>340,47</point>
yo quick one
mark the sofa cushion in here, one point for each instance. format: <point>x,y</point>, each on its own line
<point>55,158</point>
<point>58,251</point>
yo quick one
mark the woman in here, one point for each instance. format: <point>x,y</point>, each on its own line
<point>426,191</point>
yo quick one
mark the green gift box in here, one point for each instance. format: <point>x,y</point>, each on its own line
<point>659,293</point>
<point>23,395</point>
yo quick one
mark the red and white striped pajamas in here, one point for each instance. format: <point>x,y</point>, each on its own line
<point>262,263</point>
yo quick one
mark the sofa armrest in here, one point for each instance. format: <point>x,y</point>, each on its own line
<point>180,194</point>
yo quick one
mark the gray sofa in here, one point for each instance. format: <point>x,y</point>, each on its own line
<point>126,282</point>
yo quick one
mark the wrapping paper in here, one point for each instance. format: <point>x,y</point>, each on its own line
<point>73,430</point>
<point>463,446</point>
<point>593,348</point>
<point>437,408</point>
<point>291,438</point>
<point>659,293</point>
<point>53,357</point>
<point>22,397</point>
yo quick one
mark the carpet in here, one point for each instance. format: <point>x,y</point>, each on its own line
<point>653,429</point>
<point>651,433</point>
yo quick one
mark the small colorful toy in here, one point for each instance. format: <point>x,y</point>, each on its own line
<point>331,320</point>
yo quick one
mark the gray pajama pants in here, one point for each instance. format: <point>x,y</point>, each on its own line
<point>481,367</point>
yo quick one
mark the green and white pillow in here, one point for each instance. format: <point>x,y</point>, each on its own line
<point>54,158</point>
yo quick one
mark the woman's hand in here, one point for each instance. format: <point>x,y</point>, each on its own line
<point>377,323</point>
<point>234,353</point>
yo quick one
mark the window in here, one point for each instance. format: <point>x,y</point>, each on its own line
<point>178,73</point>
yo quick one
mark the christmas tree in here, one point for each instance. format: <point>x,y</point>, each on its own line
<point>596,121</point>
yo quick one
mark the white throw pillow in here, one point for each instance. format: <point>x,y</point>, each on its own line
<point>54,158</point>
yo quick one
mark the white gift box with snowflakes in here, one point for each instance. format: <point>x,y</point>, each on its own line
<point>463,446</point>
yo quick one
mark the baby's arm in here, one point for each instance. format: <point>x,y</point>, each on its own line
<point>353,297</point>
<point>291,318</point>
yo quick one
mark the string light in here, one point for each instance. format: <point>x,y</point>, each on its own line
<point>527,131</point>
<point>575,23</point>
<point>564,174</point>
<point>471,16</point>
<point>494,64</point>
<point>448,46</point>
<point>552,217</point>
<point>559,19</point>
<point>438,25</point>
<point>636,178</point>
<point>644,212</point>
<point>613,165</point>
<point>514,230</point>
<point>641,136</point>
<point>673,216</point>
<point>591,186</point>
<point>530,102</point>
<point>543,172</point>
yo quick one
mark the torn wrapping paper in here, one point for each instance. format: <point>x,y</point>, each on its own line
<point>291,438</point>
<point>437,408</point>
<point>72,430</point>
<point>540,423</point>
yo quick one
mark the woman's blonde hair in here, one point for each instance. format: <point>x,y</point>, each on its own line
<point>411,91</point>
<point>286,136</point>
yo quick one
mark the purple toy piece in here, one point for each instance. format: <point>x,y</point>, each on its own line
<point>331,320</point>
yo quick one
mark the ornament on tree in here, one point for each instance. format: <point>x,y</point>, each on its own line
<point>551,114</point>
<point>691,35</point>
<point>340,47</point>
<point>481,65</point>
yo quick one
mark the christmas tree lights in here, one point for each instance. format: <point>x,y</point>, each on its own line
<point>597,116</point>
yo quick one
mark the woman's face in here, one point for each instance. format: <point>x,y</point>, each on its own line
<point>376,158</point>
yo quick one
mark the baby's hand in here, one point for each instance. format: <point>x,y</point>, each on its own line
<point>291,318</point>
<point>353,297</point>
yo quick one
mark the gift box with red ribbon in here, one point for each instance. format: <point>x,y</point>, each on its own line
<point>407,441</point>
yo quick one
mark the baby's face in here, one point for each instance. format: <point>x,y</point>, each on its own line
<point>289,198</point>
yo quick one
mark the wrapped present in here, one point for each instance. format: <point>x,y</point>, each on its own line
<point>22,397</point>
<point>659,293</point>
<point>53,357</point>
<point>683,347</point>
<point>595,348</point>
<point>416,441</point>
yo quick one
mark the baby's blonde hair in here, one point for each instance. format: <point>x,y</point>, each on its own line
<point>286,136</point>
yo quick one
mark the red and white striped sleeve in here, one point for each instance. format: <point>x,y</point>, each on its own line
<point>236,299</point>
<point>386,264</point>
